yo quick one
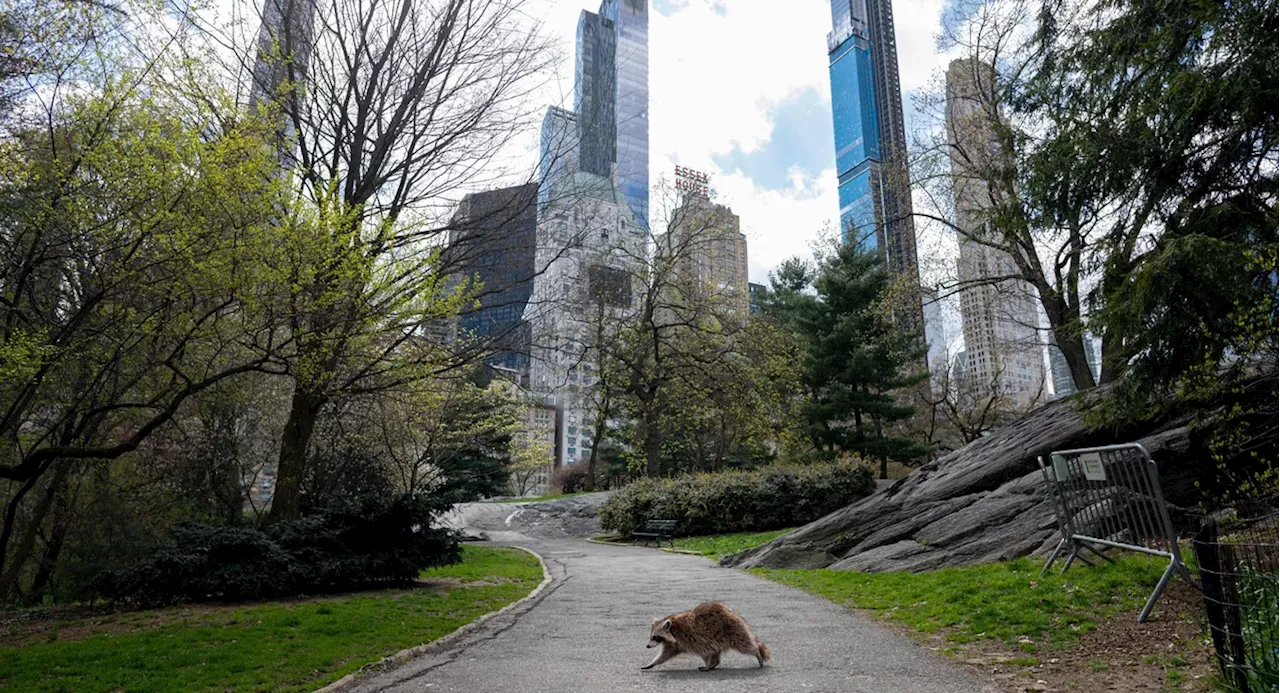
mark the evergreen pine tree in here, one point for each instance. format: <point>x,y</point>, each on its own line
<point>859,355</point>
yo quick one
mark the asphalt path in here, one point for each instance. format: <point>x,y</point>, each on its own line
<point>587,632</point>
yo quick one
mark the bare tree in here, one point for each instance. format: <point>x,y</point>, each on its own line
<point>402,106</point>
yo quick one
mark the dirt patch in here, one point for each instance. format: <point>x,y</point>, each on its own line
<point>1167,653</point>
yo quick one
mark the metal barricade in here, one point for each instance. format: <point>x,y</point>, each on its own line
<point>1109,497</point>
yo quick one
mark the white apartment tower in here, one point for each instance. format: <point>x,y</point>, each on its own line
<point>589,245</point>
<point>1004,352</point>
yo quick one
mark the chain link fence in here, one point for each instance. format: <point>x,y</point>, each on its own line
<point>1238,571</point>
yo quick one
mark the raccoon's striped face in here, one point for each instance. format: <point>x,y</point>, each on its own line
<point>661,634</point>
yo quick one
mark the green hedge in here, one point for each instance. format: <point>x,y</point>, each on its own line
<point>370,541</point>
<point>767,498</point>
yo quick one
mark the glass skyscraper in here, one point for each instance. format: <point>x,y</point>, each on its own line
<point>631,23</point>
<point>611,104</point>
<point>559,151</point>
<point>870,142</point>
<point>594,88</point>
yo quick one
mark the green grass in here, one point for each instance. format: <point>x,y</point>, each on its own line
<point>278,646</point>
<point>1001,600</point>
<point>717,546</point>
<point>536,499</point>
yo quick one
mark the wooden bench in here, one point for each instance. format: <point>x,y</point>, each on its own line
<point>657,531</point>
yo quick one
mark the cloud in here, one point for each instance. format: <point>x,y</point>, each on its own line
<point>801,137</point>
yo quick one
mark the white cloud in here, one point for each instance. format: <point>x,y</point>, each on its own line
<point>780,223</point>
<point>916,25</point>
<point>713,75</point>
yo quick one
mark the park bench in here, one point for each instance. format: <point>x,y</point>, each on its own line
<point>657,531</point>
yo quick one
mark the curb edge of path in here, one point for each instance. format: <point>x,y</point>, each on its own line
<point>597,540</point>
<point>395,660</point>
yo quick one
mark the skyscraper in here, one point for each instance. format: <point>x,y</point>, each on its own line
<point>492,245</point>
<point>870,139</point>
<point>1000,316</point>
<point>594,92</point>
<point>631,97</point>
<point>711,264</point>
<point>558,156</point>
<point>588,240</point>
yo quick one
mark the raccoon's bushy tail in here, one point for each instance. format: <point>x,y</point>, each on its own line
<point>764,651</point>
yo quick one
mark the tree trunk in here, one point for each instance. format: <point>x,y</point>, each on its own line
<point>1073,351</point>
<point>11,515</point>
<point>884,467</point>
<point>652,445</point>
<point>53,549</point>
<point>286,504</point>
<point>597,435</point>
<point>26,545</point>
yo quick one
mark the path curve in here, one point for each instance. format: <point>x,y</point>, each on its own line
<point>587,631</point>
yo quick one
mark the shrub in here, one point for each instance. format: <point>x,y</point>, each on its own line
<point>374,540</point>
<point>737,501</point>
<point>570,479</point>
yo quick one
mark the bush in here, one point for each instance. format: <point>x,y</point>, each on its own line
<point>736,501</point>
<point>375,540</point>
<point>570,479</point>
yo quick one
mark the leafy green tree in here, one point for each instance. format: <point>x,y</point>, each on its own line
<point>1166,112</point>
<point>858,358</point>
<point>129,231</point>
<point>1118,134</point>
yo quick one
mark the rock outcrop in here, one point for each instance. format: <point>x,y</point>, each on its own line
<point>984,502</point>
<point>575,516</point>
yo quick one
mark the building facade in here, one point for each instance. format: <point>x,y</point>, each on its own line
<point>594,88</point>
<point>709,253</point>
<point>1000,317</point>
<point>491,245</point>
<point>870,138</point>
<point>588,245</point>
<point>631,96</point>
<point>870,143</point>
<point>558,150</point>
<point>756,294</point>
<point>537,426</point>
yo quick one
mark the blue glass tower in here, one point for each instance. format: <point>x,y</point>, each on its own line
<point>631,94</point>
<point>870,142</point>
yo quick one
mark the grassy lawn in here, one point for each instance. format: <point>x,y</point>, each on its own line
<point>536,499</point>
<point>1000,600</point>
<point>279,646</point>
<point>718,546</point>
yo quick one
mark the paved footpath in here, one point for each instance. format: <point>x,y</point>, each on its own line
<point>587,632</point>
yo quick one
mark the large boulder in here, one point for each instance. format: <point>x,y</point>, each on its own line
<point>984,502</point>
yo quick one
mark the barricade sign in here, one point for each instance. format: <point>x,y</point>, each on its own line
<point>1109,498</point>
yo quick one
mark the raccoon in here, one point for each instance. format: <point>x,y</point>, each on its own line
<point>710,629</point>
